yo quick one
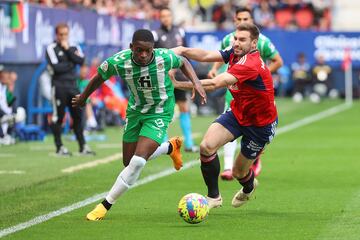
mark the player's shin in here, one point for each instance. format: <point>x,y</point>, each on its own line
<point>126,178</point>
<point>248,181</point>
<point>210,169</point>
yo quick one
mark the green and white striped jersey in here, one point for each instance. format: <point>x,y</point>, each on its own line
<point>151,90</point>
<point>266,48</point>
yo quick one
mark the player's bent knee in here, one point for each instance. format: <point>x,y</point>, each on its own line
<point>206,149</point>
<point>137,163</point>
<point>131,173</point>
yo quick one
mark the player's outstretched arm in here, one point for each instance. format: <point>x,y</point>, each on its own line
<point>198,54</point>
<point>189,72</point>
<point>220,81</point>
<point>80,99</point>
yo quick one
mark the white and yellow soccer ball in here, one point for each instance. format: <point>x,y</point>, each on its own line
<point>193,208</point>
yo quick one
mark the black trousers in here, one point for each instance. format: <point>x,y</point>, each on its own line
<point>61,98</point>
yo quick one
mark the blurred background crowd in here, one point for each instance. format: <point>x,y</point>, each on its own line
<point>285,14</point>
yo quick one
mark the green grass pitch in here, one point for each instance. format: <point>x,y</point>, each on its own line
<point>309,187</point>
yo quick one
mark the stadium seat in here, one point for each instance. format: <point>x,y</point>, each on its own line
<point>304,18</point>
<point>283,17</point>
<point>29,132</point>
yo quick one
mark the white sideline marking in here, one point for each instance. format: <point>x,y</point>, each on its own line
<point>82,166</point>
<point>87,201</point>
<point>97,197</point>
<point>313,118</point>
<point>12,172</point>
<point>7,155</point>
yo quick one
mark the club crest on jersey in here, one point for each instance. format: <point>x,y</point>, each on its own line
<point>104,66</point>
<point>128,71</point>
<point>161,66</point>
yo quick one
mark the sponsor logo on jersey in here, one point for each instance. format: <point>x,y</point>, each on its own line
<point>145,84</point>
<point>145,88</point>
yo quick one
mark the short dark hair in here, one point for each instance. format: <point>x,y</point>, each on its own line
<point>165,8</point>
<point>243,9</point>
<point>61,25</point>
<point>143,35</point>
<point>252,28</point>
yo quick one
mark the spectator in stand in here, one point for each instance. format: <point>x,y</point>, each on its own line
<point>301,78</point>
<point>321,79</point>
<point>263,16</point>
<point>7,110</point>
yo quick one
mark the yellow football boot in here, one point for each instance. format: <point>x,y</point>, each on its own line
<point>98,213</point>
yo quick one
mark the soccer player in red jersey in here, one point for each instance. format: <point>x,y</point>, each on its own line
<point>252,115</point>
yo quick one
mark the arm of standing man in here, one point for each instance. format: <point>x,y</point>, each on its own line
<point>76,55</point>
<point>53,60</point>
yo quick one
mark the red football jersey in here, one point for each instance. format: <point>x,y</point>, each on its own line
<point>253,103</point>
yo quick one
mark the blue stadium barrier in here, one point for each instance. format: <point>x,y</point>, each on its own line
<point>32,108</point>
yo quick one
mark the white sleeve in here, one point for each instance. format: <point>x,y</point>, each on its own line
<point>156,36</point>
<point>51,53</point>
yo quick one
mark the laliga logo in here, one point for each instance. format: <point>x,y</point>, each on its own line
<point>7,38</point>
<point>43,33</point>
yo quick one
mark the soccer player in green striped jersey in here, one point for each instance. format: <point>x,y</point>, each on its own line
<point>270,56</point>
<point>150,108</point>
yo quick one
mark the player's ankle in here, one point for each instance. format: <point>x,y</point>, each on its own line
<point>106,204</point>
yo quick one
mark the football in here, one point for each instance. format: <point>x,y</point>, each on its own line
<point>193,208</point>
